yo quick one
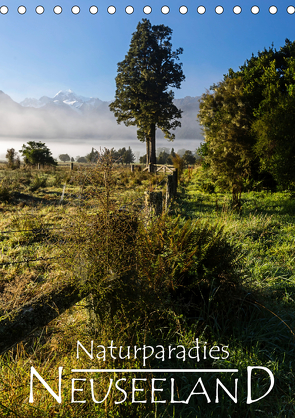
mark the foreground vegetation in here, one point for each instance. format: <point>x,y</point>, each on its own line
<point>206,272</point>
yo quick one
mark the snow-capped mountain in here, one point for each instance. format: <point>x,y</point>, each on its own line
<point>67,97</point>
<point>69,116</point>
<point>29,102</point>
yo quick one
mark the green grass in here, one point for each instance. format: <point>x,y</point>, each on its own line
<point>257,322</point>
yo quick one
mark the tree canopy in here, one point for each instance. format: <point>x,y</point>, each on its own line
<point>13,158</point>
<point>81,159</point>
<point>247,121</point>
<point>125,156</point>
<point>37,153</point>
<point>189,158</point>
<point>142,97</point>
<point>228,151</point>
<point>64,157</point>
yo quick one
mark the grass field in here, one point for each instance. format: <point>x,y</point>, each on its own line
<point>237,294</point>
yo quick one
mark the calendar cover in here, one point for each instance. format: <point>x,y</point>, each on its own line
<point>147,186</point>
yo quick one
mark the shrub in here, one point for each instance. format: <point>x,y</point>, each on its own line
<point>150,271</point>
<point>5,191</point>
<point>38,182</point>
<point>141,268</point>
<point>184,265</point>
<point>13,158</point>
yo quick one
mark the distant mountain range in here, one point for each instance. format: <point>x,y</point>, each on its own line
<point>67,97</point>
<point>70,116</point>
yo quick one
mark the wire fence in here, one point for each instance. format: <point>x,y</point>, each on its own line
<point>51,227</point>
<point>29,260</point>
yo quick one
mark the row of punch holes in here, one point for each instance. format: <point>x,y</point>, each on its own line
<point>147,10</point>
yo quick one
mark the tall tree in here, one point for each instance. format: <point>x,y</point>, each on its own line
<point>270,87</point>
<point>248,121</point>
<point>224,115</point>
<point>142,97</point>
<point>274,125</point>
<point>92,157</point>
<point>189,158</point>
<point>128,156</point>
<point>13,158</point>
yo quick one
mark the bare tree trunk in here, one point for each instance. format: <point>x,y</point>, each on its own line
<point>152,144</point>
<point>147,151</point>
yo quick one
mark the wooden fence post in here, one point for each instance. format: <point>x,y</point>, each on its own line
<point>175,181</point>
<point>153,203</point>
<point>72,166</point>
<point>169,191</point>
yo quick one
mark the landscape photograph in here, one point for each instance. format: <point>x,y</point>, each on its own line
<point>147,210</point>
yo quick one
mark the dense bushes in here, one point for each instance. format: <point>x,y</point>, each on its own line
<point>135,264</point>
<point>151,269</point>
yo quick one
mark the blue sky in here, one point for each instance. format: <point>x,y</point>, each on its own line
<point>42,54</point>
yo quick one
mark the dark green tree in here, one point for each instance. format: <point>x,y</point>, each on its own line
<point>64,157</point>
<point>162,157</point>
<point>81,160</point>
<point>119,154</point>
<point>142,159</point>
<point>37,153</point>
<point>170,157</point>
<point>181,152</point>
<point>189,158</point>
<point>92,157</point>
<point>274,124</point>
<point>269,87</point>
<point>247,120</point>
<point>228,150</point>
<point>142,97</point>
<point>13,158</point>
<point>128,156</point>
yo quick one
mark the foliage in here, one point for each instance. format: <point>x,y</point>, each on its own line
<point>248,135</point>
<point>182,265</point>
<point>38,181</point>
<point>181,152</point>
<point>92,156</point>
<point>142,159</point>
<point>178,163</point>
<point>144,76</point>
<point>257,326</point>
<point>269,82</point>
<point>5,190</point>
<point>273,126</point>
<point>101,242</point>
<point>81,159</point>
<point>133,266</point>
<point>125,156</point>
<point>64,157</point>
<point>276,141</point>
<point>13,158</point>
<point>228,152</point>
<point>37,153</point>
<point>188,157</point>
<point>162,157</point>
